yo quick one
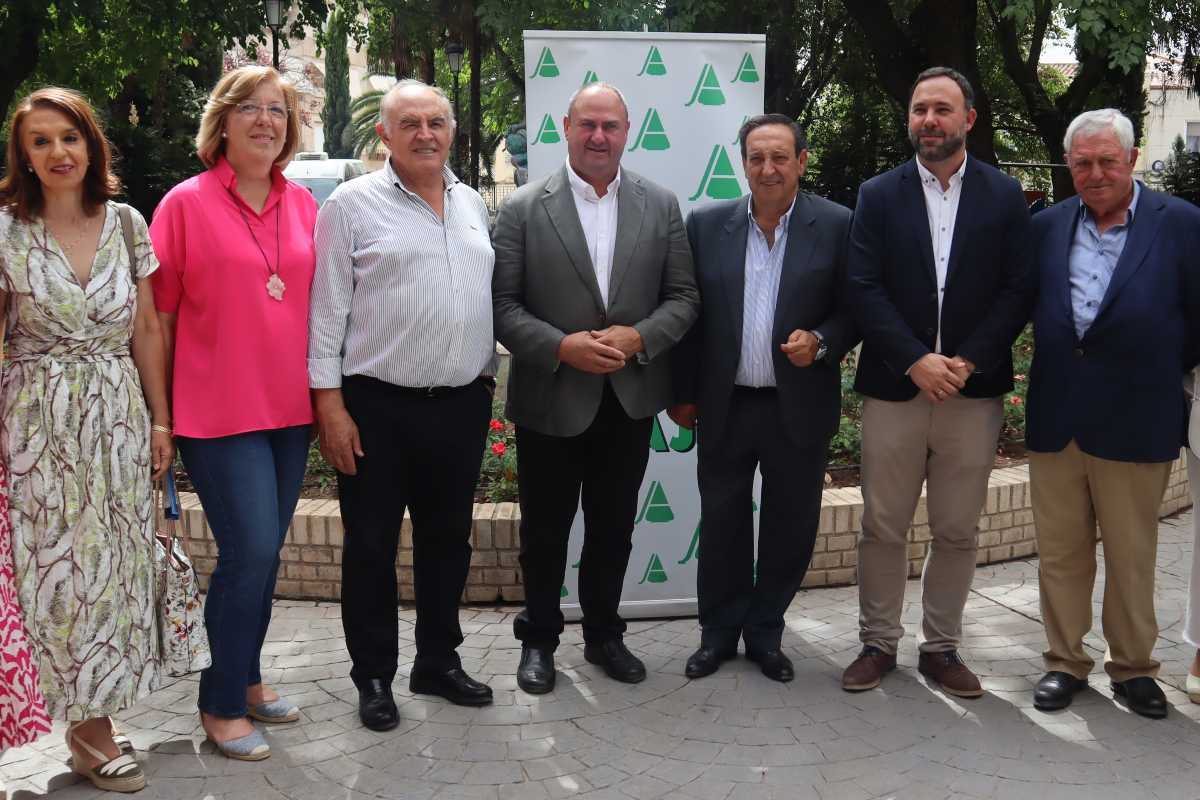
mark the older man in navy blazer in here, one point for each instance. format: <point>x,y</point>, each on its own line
<point>1115,328</point>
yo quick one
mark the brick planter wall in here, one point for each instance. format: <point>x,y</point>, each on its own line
<point>312,555</point>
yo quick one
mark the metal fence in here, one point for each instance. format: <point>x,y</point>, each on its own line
<point>496,194</point>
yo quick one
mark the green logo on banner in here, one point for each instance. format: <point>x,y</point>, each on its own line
<point>682,442</point>
<point>653,65</point>
<point>546,68</point>
<point>590,77</point>
<point>651,136</point>
<point>654,571</point>
<point>708,89</point>
<point>563,592</point>
<point>655,507</point>
<point>719,182</point>
<point>693,548</point>
<point>739,130</point>
<point>547,133</point>
<point>747,73</point>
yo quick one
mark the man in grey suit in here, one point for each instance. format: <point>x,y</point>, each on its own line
<point>592,287</point>
<point>760,371</point>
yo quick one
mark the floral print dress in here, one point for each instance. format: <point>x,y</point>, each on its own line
<point>75,436</point>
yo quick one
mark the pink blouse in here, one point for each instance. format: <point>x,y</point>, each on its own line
<point>240,355</point>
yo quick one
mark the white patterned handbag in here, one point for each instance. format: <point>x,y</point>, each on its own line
<point>182,637</point>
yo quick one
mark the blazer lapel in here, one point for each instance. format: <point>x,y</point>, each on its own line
<point>802,240</point>
<point>631,210</point>
<point>1059,246</point>
<point>733,266</point>
<point>969,202</point>
<point>560,207</point>
<point>917,215</point>
<point>1142,232</point>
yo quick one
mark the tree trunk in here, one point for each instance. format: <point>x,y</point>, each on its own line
<point>19,40</point>
<point>476,48</point>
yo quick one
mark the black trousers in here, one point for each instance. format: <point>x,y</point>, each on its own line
<point>732,602</point>
<point>422,453</point>
<point>605,464</point>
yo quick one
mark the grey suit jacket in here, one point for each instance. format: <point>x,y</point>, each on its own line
<point>544,287</point>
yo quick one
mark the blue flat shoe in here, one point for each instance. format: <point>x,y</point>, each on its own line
<point>278,710</point>
<point>251,747</point>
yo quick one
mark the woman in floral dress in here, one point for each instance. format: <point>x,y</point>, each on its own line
<point>84,358</point>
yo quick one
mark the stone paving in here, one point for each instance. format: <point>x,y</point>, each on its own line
<point>732,736</point>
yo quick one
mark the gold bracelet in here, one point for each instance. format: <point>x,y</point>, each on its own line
<point>161,429</point>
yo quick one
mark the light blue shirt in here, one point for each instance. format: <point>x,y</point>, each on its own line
<point>1093,260</point>
<point>764,265</point>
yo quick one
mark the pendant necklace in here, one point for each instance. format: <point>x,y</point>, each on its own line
<point>275,284</point>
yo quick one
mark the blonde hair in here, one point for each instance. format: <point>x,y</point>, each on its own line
<point>233,89</point>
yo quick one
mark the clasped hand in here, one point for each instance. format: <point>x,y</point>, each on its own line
<point>600,352</point>
<point>939,376</point>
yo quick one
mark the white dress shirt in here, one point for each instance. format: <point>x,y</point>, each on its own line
<point>942,209</point>
<point>401,294</point>
<point>598,217</point>
<point>764,265</point>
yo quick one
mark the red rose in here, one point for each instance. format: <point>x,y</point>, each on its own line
<point>496,425</point>
<point>1015,400</point>
<point>498,448</point>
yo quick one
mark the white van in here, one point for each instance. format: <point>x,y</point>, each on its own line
<point>322,174</point>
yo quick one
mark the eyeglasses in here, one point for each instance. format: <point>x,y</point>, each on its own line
<point>253,110</point>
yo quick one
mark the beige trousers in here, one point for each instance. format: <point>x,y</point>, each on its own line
<point>1072,491</point>
<point>950,447</point>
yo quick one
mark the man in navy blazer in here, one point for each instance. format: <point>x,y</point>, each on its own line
<point>760,371</point>
<point>1116,324</point>
<point>940,280</point>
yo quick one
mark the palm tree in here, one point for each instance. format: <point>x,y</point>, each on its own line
<point>364,113</point>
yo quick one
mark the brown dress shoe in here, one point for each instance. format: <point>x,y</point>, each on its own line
<point>867,670</point>
<point>948,670</point>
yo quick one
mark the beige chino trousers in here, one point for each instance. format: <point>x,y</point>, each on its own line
<point>951,448</point>
<point>1072,492</point>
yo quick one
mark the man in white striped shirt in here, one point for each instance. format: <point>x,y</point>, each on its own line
<point>401,355</point>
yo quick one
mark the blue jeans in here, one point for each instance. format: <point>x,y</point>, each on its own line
<point>248,484</point>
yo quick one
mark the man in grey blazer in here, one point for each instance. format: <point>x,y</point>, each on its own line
<point>592,287</point>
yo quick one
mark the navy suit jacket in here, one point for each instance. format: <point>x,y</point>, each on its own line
<point>1118,392</point>
<point>811,297</point>
<point>893,284</point>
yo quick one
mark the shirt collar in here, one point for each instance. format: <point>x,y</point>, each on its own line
<point>448,177</point>
<point>228,178</point>
<point>929,177</point>
<point>1086,213</point>
<point>585,190</point>
<point>783,221</point>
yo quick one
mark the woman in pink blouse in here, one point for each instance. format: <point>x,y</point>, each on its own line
<point>235,245</point>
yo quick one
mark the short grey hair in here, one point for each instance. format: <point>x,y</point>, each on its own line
<point>391,97</point>
<point>1101,120</point>
<point>587,87</point>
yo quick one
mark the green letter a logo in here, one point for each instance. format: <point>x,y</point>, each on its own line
<point>546,68</point>
<point>708,89</point>
<point>719,182</point>
<point>653,65</point>
<point>693,548</point>
<point>737,136</point>
<point>746,71</point>
<point>547,133</point>
<point>590,77</point>
<point>655,507</point>
<point>651,136</point>
<point>654,571</point>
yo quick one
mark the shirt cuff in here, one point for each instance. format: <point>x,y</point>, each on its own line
<point>324,373</point>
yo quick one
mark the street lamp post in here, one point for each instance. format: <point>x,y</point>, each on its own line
<point>454,57</point>
<point>275,14</point>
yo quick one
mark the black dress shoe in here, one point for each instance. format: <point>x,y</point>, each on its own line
<point>536,671</point>
<point>619,664</point>
<point>707,660</point>
<point>1056,690</point>
<point>453,684</point>
<point>1143,696</point>
<point>775,665</point>
<point>376,708</point>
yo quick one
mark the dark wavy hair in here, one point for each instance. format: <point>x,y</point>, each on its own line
<point>20,189</point>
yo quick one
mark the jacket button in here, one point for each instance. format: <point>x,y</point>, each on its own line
<point>930,332</point>
<point>1079,352</point>
<point>603,320</point>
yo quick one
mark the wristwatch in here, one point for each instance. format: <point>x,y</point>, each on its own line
<point>822,348</point>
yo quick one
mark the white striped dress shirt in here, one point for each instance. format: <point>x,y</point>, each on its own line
<point>399,294</point>
<point>942,210</point>
<point>764,265</point>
